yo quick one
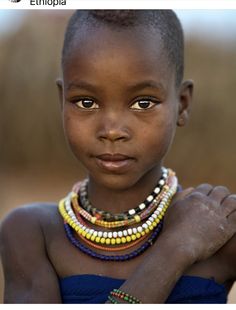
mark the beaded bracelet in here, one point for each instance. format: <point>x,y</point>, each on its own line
<point>112,300</point>
<point>123,296</point>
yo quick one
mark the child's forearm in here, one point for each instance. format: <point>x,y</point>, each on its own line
<point>154,279</point>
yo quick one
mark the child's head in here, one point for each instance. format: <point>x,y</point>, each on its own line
<point>161,25</point>
<point>122,92</point>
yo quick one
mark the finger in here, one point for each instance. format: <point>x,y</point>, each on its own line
<point>204,188</point>
<point>229,205</point>
<point>218,193</point>
<point>182,194</point>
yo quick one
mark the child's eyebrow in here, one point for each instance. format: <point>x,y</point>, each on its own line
<point>131,88</point>
<point>81,85</point>
<point>146,84</point>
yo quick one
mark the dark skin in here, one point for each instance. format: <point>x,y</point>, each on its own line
<point>119,95</point>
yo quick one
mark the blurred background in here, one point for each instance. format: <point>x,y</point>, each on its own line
<point>35,161</point>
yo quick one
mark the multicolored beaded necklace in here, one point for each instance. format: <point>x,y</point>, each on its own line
<point>148,215</point>
<point>105,215</point>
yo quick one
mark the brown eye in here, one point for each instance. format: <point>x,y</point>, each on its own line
<point>143,104</point>
<point>87,104</point>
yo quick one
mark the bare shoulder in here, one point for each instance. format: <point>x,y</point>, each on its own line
<point>29,275</point>
<point>26,223</point>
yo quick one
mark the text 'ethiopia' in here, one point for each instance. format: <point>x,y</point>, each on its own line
<point>48,2</point>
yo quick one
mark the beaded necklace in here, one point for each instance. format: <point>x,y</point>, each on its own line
<point>135,219</point>
<point>124,257</point>
<point>107,216</point>
<point>77,219</point>
<point>104,237</point>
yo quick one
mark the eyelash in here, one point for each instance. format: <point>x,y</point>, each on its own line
<point>151,101</point>
<point>76,102</point>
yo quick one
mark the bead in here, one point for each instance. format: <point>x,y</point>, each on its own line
<point>118,240</point>
<point>105,234</point>
<point>123,240</point>
<point>157,190</point>
<point>130,231</point>
<point>131,212</point>
<point>125,233</point>
<point>88,235</point>
<point>134,230</point>
<point>139,229</point>
<point>115,234</point>
<point>142,206</point>
<point>93,219</point>
<point>120,234</point>
<point>100,233</point>
<point>138,235</point>
<point>110,234</point>
<point>128,239</point>
<point>150,198</point>
<point>97,239</point>
<point>108,241</point>
<point>103,240</point>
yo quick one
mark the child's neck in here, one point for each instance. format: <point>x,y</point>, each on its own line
<point>118,201</point>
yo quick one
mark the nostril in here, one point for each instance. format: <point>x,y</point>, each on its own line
<point>114,135</point>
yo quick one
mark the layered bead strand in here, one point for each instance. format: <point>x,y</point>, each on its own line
<point>77,218</point>
<point>107,216</point>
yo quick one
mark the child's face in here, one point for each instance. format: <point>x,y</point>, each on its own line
<point>120,105</point>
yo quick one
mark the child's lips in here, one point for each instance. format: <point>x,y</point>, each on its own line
<point>114,162</point>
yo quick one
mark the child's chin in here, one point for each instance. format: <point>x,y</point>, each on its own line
<point>117,182</point>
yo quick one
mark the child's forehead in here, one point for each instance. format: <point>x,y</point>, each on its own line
<point>136,41</point>
<point>119,57</point>
<point>88,33</point>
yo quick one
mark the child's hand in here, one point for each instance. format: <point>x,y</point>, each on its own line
<point>201,220</point>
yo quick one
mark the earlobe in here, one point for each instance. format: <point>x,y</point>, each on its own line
<point>185,100</point>
<point>59,84</point>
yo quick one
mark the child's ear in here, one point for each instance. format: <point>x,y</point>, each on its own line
<point>185,101</point>
<point>59,83</point>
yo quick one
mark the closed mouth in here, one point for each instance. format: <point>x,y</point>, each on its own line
<point>115,163</point>
<point>113,157</point>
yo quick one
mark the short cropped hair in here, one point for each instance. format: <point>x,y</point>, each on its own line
<point>164,22</point>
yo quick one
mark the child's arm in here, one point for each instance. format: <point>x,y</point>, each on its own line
<point>29,276</point>
<point>197,226</point>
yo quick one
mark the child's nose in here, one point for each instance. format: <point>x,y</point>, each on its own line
<point>113,129</point>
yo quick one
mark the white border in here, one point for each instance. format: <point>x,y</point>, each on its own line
<point>126,4</point>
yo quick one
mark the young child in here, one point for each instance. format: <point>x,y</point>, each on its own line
<point>128,233</point>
